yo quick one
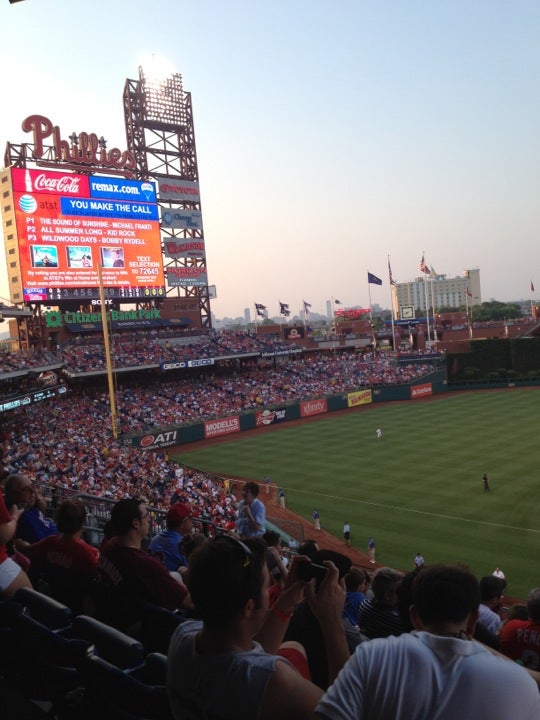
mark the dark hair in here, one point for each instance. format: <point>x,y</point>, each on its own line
<point>123,514</point>
<point>518,611</point>
<point>354,578</point>
<point>308,547</point>
<point>70,516</point>
<point>11,488</point>
<point>383,581</point>
<point>190,542</point>
<point>490,587</point>
<point>533,604</point>
<point>223,575</point>
<point>445,593</point>
<point>271,538</point>
<point>404,599</point>
<point>252,487</point>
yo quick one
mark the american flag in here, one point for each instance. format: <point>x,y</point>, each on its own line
<point>423,267</point>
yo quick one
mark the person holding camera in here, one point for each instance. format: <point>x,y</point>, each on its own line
<point>233,663</point>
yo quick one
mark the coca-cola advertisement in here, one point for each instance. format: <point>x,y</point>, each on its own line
<point>40,181</point>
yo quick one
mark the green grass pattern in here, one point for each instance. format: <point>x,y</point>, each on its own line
<point>418,489</point>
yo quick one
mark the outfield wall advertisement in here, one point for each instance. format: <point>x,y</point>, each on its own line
<point>361,397</point>
<point>69,225</point>
<point>296,411</point>
<point>421,390</point>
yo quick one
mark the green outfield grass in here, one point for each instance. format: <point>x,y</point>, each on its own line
<point>418,489</point>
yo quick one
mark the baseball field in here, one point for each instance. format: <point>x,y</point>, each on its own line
<point>419,488</point>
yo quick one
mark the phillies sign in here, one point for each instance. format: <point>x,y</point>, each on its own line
<point>82,149</point>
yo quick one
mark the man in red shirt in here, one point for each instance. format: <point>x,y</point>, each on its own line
<point>129,576</point>
<point>67,550</point>
<point>520,639</point>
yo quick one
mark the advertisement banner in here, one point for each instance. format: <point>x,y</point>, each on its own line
<point>188,248</point>
<point>361,397</point>
<point>313,407</point>
<point>270,417</point>
<point>159,439</point>
<point>224,426</point>
<point>178,190</point>
<point>294,333</point>
<point>187,276</point>
<point>181,219</point>
<point>421,390</point>
<point>64,235</point>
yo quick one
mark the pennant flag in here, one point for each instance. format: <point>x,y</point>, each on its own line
<point>423,267</point>
<point>373,279</point>
<point>338,302</point>
<point>432,270</point>
<point>390,277</point>
<point>284,309</point>
<point>306,307</point>
<point>260,308</point>
<point>532,286</point>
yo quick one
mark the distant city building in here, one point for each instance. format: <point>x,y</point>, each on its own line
<point>247,316</point>
<point>442,292</point>
<point>329,314</point>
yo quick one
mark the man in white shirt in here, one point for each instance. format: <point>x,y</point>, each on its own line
<point>459,677</point>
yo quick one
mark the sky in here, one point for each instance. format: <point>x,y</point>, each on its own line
<point>330,134</point>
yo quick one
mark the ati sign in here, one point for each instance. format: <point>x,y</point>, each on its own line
<point>158,440</point>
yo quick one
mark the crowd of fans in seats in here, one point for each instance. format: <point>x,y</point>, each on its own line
<point>67,445</point>
<point>149,347</point>
<point>11,361</point>
<point>133,350</point>
<point>214,395</point>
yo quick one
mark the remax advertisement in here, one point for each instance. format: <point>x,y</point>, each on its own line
<point>69,225</point>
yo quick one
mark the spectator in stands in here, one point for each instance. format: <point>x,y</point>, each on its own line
<point>379,615</point>
<point>67,549</point>
<point>435,671</point>
<point>491,591</point>
<point>12,576</point>
<point>216,668</point>
<point>32,524</point>
<point>520,639</point>
<point>65,562</point>
<point>356,584</point>
<point>166,544</point>
<point>305,627</point>
<point>251,515</point>
<point>129,576</point>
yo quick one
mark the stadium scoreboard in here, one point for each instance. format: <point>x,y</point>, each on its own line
<point>69,225</point>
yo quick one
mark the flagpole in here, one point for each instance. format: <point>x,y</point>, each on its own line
<point>371,316</point>
<point>433,312</point>
<point>426,299</point>
<point>391,283</point>
<point>467,312</point>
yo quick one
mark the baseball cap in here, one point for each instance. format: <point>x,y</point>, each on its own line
<point>178,512</point>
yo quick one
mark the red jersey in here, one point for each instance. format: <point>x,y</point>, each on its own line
<point>520,640</point>
<point>66,552</point>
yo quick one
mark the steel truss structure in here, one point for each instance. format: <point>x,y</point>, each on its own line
<point>160,133</point>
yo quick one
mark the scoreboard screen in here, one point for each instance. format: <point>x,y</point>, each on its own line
<point>70,225</point>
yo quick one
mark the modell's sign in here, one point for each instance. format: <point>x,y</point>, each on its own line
<point>82,149</point>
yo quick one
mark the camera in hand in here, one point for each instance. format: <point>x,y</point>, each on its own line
<point>308,570</point>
